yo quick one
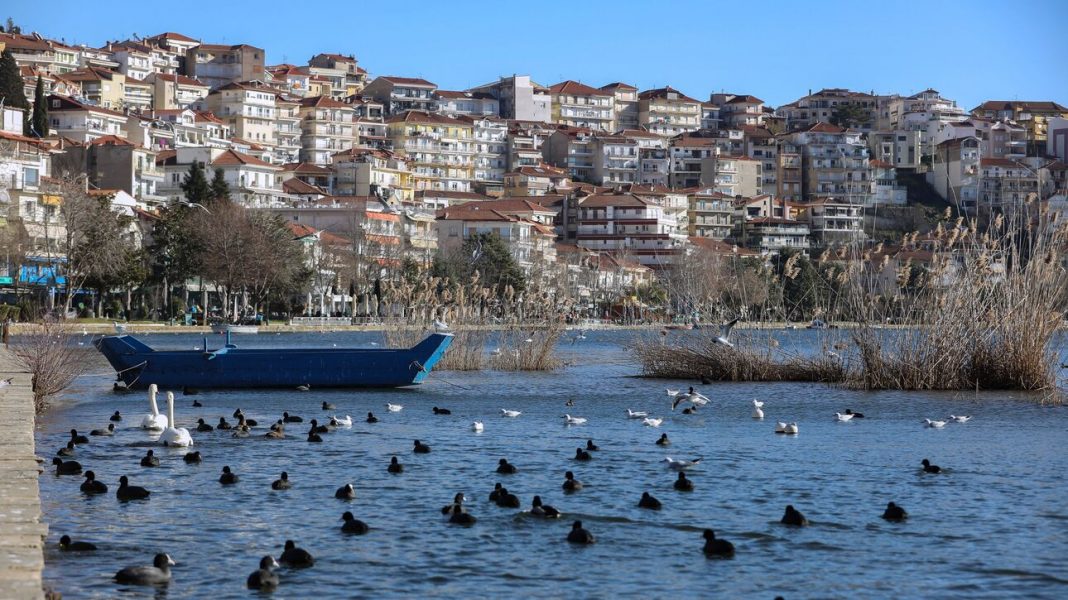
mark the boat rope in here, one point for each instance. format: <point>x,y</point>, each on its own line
<point>132,383</point>
<point>416,363</point>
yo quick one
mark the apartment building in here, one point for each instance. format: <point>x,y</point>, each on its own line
<point>788,175</point>
<point>253,182</point>
<point>827,105</point>
<point>327,127</point>
<point>101,87</point>
<point>710,214</point>
<point>440,149</point>
<point>887,191</point>
<point>578,105</point>
<point>832,221</point>
<point>54,83</point>
<point>248,107</point>
<point>401,94</point>
<point>761,145</point>
<point>626,105</point>
<point>114,163</point>
<point>1005,185</point>
<point>471,104</point>
<point>531,244</point>
<point>736,111</point>
<point>138,96</point>
<point>218,64</point>
<point>955,172</point>
<point>674,202</point>
<point>82,122</point>
<point>490,143</point>
<point>175,91</point>
<point>623,223</point>
<point>901,148</point>
<point>668,112</point>
<point>834,163</point>
<point>177,46</point>
<point>535,181</point>
<point>616,160</point>
<point>1031,114</point>
<point>771,235</point>
<point>345,74</point>
<point>287,129</point>
<point>525,139</point>
<point>571,148</point>
<point>520,98</point>
<point>363,171</point>
<point>290,79</point>
<point>36,51</point>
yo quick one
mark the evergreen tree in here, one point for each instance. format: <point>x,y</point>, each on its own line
<point>220,190</point>
<point>39,121</point>
<point>195,185</point>
<point>486,253</point>
<point>12,27</point>
<point>11,86</point>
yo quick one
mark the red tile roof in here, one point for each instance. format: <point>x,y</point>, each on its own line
<point>300,188</point>
<point>180,79</point>
<point>576,88</point>
<point>747,99</point>
<point>421,116</point>
<point>821,127</point>
<point>300,230</point>
<point>999,162</point>
<point>410,81</point>
<point>619,85</point>
<point>233,157</point>
<point>1021,105</point>
<point>604,200</point>
<point>663,93</point>
<point>305,168</point>
<point>111,140</point>
<point>170,35</point>
<point>323,102</point>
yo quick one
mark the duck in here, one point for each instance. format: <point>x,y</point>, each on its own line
<point>328,406</point>
<point>934,424</point>
<point>223,425</point>
<point>116,417</point>
<point>663,441</point>
<point>264,578</point>
<point>574,420</point>
<point>277,432</point>
<point>68,545</point>
<point>203,427</point>
<point>294,557</point>
<point>68,450</point>
<point>175,436</point>
<point>92,486</point>
<point>651,422</point>
<point>240,416</point>
<point>157,574</point>
<point>192,458</point>
<point>649,502</point>
<point>305,387</point>
<point>640,414</point>
<point>683,484</point>
<point>371,418</point>
<point>149,459</point>
<point>894,513</point>
<point>442,411</point>
<point>153,421</point>
<point>421,448</point>
<point>282,483</point>
<point>352,524</point>
<point>109,431</point>
<point>506,499</point>
<point>477,426</point>
<point>342,422</point>
<point>842,418</point>
<point>394,466</point>
<point>288,418</point>
<point>717,548</point>
<point>228,477</point>
<point>929,468</point>
<point>591,447</point>
<point>242,431</point>
<point>197,404</point>
<point>505,468</point>
<point>130,492</point>
<point>496,493</point>
<point>582,455</point>
<point>960,418</point>
<point>78,439</point>
<point>70,467</point>
<point>793,517</point>
<point>544,511</point>
<point>345,492</point>
<point>314,437</point>
<point>680,464</point>
<point>758,410</point>
<point>570,483</point>
<point>511,414</point>
<point>856,415</point>
<point>457,503</point>
<point>317,428</point>
<point>394,407</point>
<point>570,402</point>
<point>457,514</point>
<point>578,535</point>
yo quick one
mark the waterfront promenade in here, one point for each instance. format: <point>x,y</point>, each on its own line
<point>22,532</point>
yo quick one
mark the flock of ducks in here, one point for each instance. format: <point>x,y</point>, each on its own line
<point>265,576</point>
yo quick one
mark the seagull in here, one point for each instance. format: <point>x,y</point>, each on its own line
<point>496,351</point>
<point>725,334</point>
<point>834,355</point>
<point>303,388</point>
<point>440,325</point>
<point>636,415</point>
<point>394,407</point>
<point>6,382</point>
<point>510,413</point>
<point>843,418</point>
<point>935,424</point>
<point>680,465</point>
<point>477,426</point>
<point>757,412</point>
<point>528,341</point>
<point>960,419</point>
<point>692,396</point>
<point>651,422</point>
<point>575,420</point>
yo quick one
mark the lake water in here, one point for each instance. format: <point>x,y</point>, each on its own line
<point>994,524</point>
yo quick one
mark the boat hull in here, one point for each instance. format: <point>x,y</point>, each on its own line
<point>242,329</point>
<point>138,365</point>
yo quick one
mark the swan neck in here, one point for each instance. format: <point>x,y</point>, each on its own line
<point>170,409</point>
<point>152,400</point>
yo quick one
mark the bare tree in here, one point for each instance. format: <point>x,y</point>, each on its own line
<point>52,357</point>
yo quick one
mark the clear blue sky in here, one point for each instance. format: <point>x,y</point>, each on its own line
<point>775,49</point>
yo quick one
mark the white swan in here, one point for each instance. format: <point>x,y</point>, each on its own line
<point>174,436</point>
<point>651,422</point>
<point>757,412</point>
<point>153,421</point>
<point>780,427</point>
<point>960,419</point>
<point>641,414</point>
<point>510,413</point>
<point>935,424</point>
<point>680,465</point>
<point>394,407</point>
<point>843,418</point>
<point>346,422</point>
<point>791,429</point>
<point>575,420</point>
<point>477,427</point>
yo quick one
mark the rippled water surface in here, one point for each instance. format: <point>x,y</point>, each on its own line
<point>994,524</point>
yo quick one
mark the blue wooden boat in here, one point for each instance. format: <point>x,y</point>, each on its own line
<point>137,365</point>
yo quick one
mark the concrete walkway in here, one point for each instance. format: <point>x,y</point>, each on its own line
<point>22,533</point>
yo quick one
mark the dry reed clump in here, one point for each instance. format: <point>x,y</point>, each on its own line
<point>697,355</point>
<point>522,350</point>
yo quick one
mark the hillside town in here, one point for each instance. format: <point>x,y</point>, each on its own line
<point>597,189</point>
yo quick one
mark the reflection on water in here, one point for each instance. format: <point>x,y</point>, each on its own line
<point>993,524</point>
